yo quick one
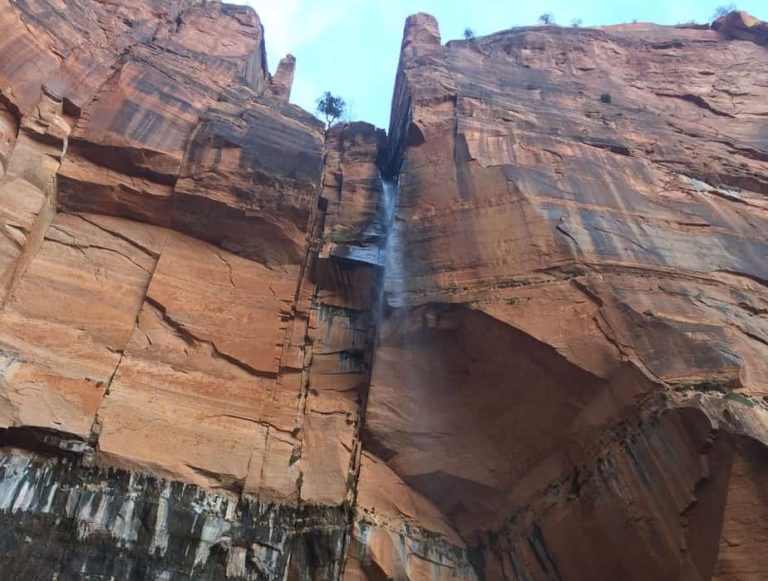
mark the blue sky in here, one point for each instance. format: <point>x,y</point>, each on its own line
<point>351,47</point>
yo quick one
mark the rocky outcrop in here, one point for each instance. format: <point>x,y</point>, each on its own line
<point>742,26</point>
<point>282,82</point>
<point>523,337</point>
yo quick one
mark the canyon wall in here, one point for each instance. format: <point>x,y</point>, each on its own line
<point>524,336</point>
<point>574,373</point>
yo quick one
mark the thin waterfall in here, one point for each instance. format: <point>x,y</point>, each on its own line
<point>394,274</point>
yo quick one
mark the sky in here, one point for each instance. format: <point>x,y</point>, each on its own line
<point>351,47</point>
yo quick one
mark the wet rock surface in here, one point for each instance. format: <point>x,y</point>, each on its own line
<point>61,520</point>
<point>524,336</point>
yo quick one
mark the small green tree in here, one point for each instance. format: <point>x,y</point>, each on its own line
<point>721,11</point>
<point>331,107</point>
<point>576,22</point>
<point>469,34</point>
<point>547,18</point>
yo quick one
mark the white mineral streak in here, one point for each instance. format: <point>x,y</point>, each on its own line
<point>126,525</point>
<point>15,468</point>
<point>25,497</point>
<point>236,562</point>
<point>72,500</point>
<point>210,503</point>
<point>51,495</point>
<point>160,535</point>
<point>231,511</point>
<point>99,520</point>
<point>362,533</point>
<point>701,186</point>
<point>84,519</point>
<point>213,528</point>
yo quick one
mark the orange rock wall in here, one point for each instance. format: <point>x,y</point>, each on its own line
<point>230,348</point>
<point>575,360</point>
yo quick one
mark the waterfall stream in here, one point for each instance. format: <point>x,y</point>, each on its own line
<point>394,274</point>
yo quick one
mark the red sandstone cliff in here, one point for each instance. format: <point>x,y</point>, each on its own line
<point>220,358</point>
<point>575,377</point>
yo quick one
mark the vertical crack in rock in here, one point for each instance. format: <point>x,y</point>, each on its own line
<point>96,427</point>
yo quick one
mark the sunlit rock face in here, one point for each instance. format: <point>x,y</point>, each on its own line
<point>177,399</point>
<point>524,336</point>
<point>572,376</point>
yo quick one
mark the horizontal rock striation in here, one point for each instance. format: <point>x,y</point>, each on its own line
<point>162,207</point>
<point>524,336</point>
<point>572,376</point>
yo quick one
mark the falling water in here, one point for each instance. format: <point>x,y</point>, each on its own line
<point>394,275</point>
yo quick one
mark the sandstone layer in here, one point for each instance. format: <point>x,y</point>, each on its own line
<point>573,369</point>
<point>523,337</point>
<point>161,218</point>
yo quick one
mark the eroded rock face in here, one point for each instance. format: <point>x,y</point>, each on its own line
<point>575,361</point>
<point>153,344</point>
<point>535,349</point>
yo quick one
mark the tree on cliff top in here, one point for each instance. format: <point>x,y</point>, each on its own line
<point>547,18</point>
<point>331,107</point>
<point>721,11</point>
